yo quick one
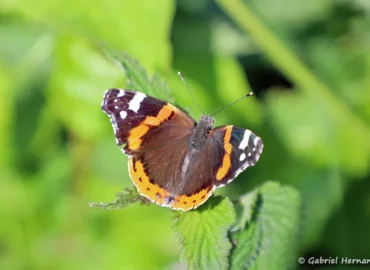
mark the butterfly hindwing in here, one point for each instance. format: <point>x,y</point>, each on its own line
<point>157,169</point>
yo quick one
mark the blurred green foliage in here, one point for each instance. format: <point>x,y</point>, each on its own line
<point>307,61</point>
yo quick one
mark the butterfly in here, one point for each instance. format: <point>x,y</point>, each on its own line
<point>175,161</point>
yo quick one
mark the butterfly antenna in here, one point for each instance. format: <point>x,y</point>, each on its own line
<point>187,88</point>
<point>227,106</point>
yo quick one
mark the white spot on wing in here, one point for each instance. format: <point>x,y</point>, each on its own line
<point>123,114</point>
<point>121,93</point>
<point>134,104</point>
<point>242,157</point>
<point>245,140</point>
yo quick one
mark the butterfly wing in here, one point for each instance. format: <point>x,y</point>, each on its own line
<point>134,115</point>
<point>235,149</point>
<point>156,135</point>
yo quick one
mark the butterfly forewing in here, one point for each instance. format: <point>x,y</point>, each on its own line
<point>134,115</point>
<point>240,149</point>
<point>123,109</point>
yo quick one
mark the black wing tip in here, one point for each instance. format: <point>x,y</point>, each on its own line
<point>259,149</point>
<point>112,92</point>
<point>109,96</point>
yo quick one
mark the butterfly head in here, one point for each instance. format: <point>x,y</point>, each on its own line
<point>206,121</point>
<point>201,131</point>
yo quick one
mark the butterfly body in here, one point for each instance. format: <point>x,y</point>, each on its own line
<point>173,160</point>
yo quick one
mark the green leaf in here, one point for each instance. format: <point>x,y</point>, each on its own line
<point>124,198</point>
<point>138,79</point>
<point>321,193</point>
<point>247,203</point>
<point>203,234</point>
<point>269,241</point>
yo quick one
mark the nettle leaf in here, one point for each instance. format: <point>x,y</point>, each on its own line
<point>137,77</point>
<point>269,239</point>
<point>203,234</point>
<point>247,204</point>
<point>124,198</point>
<point>137,80</point>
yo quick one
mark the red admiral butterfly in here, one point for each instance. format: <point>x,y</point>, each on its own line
<point>173,160</point>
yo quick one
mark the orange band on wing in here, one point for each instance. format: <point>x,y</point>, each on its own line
<point>152,121</point>
<point>186,203</point>
<point>227,145</point>
<point>141,180</point>
<point>159,195</point>
<point>166,112</point>
<point>226,161</point>
<point>134,139</point>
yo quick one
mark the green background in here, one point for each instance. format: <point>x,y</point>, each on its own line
<point>307,61</point>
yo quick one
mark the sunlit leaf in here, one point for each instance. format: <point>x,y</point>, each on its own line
<point>247,204</point>
<point>138,78</point>
<point>124,198</point>
<point>203,234</point>
<point>269,240</point>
